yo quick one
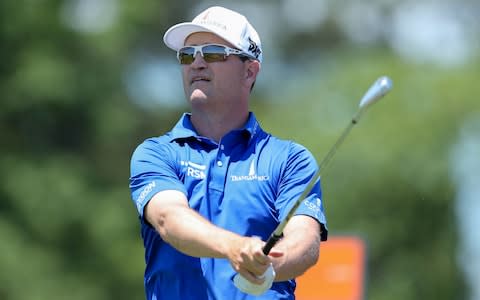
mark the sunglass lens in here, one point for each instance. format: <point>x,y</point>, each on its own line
<point>214,53</point>
<point>185,55</point>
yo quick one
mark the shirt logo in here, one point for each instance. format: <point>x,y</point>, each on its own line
<point>252,175</point>
<point>194,170</point>
<point>146,190</point>
<point>314,206</point>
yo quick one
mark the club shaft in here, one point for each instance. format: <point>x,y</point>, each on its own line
<point>379,88</point>
<point>277,234</point>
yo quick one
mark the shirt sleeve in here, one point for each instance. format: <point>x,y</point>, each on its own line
<point>153,169</point>
<point>301,166</point>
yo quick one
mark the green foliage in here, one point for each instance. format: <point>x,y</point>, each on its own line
<point>390,181</point>
<point>68,229</point>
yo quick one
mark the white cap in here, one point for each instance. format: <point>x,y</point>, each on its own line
<point>227,24</point>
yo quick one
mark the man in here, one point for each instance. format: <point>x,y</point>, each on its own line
<point>212,190</point>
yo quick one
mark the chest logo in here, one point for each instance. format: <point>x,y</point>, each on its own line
<point>252,175</point>
<point>194,170</point>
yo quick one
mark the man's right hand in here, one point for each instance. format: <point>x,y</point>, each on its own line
<point>247,258</point>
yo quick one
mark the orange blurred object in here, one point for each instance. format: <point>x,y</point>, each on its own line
<point>339,273</point>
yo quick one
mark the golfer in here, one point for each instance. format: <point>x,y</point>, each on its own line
<point>211,191</point>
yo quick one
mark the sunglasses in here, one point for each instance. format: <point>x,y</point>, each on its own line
<point>209,52</point>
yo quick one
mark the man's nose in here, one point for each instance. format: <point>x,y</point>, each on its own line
<point>198,61</point>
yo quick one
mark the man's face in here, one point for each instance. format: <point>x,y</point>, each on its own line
<point>214,83</point>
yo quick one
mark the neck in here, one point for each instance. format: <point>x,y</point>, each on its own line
<point>215,126</point>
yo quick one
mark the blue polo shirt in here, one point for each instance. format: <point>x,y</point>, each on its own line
<point>245,183</point>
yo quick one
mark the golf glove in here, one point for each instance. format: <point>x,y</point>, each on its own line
<point>255,289</point>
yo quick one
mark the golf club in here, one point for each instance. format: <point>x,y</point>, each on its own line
<point>378,89</point>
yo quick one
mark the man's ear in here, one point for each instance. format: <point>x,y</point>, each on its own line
<point>253,69</point>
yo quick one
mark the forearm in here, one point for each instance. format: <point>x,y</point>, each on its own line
<point>185,229</point>
<point>300,244</point>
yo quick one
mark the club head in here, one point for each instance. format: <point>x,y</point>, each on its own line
<point>378,89</point>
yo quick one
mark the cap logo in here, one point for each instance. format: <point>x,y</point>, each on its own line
<point>253,48</point>
<point>211,22</point>
<point>205,16</point>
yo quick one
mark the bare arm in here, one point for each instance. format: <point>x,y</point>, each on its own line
<point>183,228</point>
<point>300,245</point>
<point>190,233</point>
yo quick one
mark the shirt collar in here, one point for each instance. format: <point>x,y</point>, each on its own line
<point>184,128</point>
<point>252,126</point>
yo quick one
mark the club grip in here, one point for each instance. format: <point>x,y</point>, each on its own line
<point>272,240</point>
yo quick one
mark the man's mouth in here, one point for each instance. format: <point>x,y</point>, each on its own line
<point>199,79</point>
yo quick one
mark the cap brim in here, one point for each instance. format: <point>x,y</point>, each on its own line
<point>175,36</point>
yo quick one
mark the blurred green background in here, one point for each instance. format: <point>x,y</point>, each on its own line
<point>84,81</point>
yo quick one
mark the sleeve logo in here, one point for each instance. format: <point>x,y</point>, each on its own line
<point>146,190</point>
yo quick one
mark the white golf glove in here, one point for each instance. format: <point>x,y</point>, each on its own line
<point>255,289</point>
